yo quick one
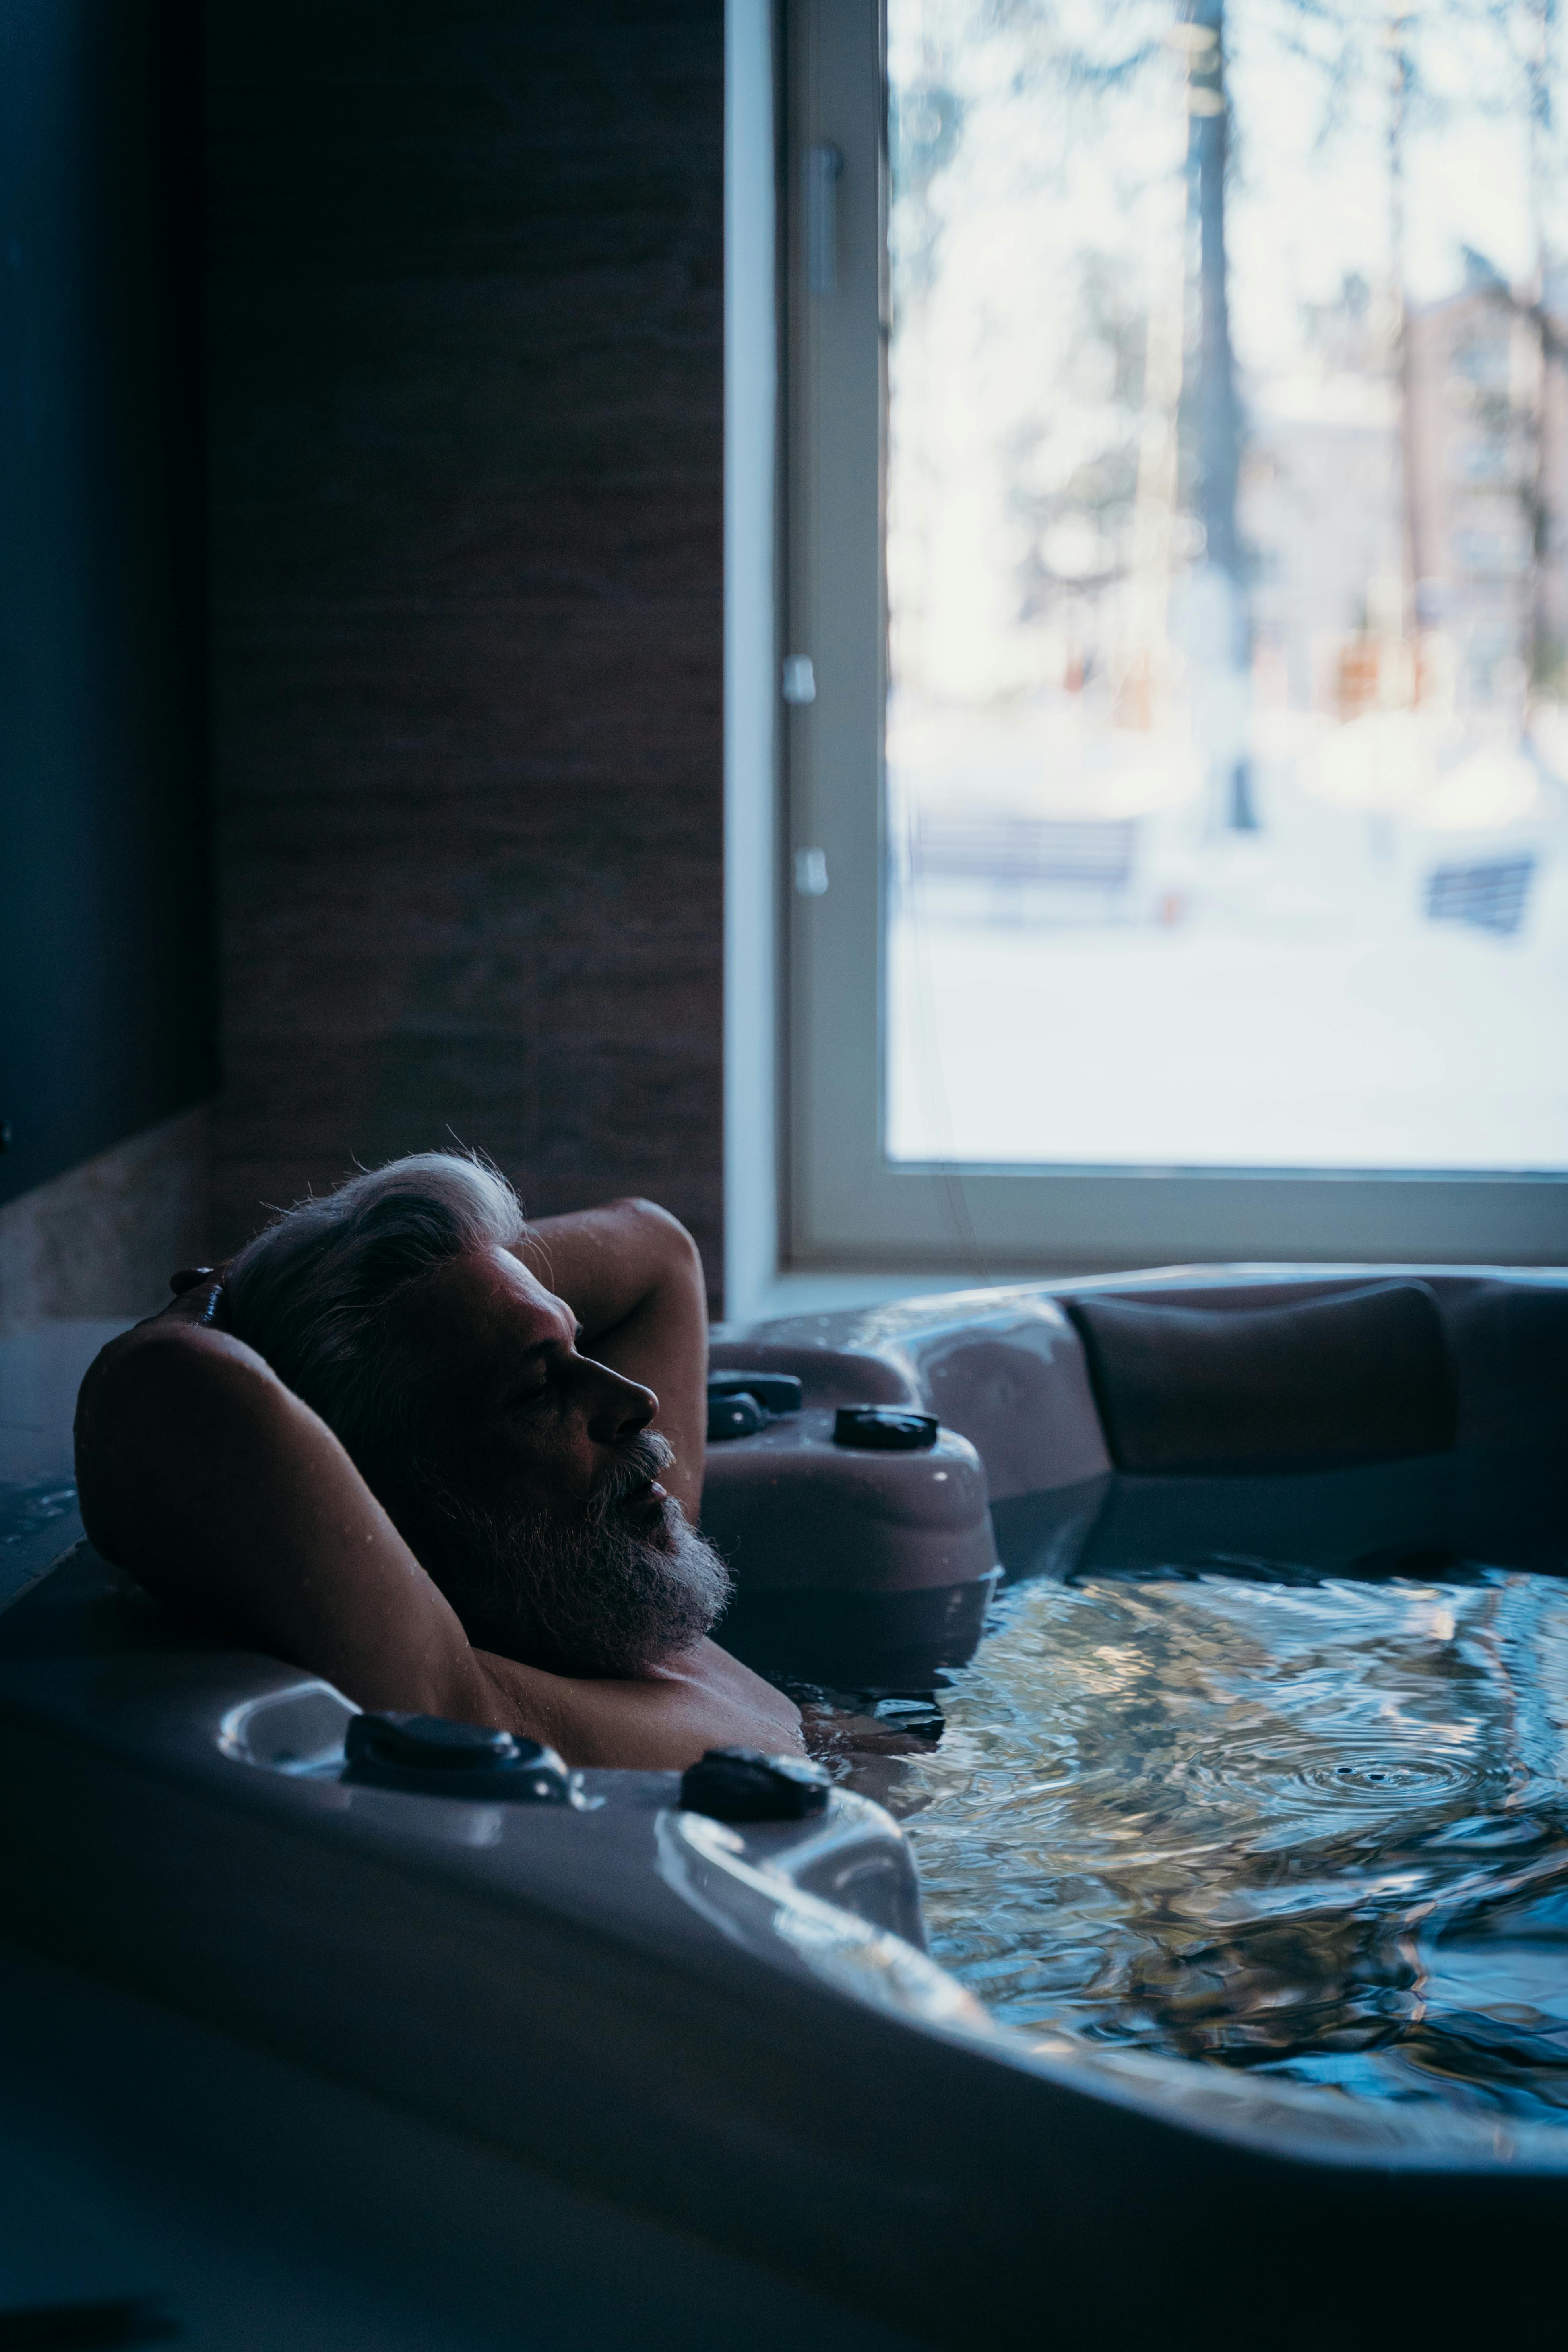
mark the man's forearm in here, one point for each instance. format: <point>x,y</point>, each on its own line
<point>610,1263</point>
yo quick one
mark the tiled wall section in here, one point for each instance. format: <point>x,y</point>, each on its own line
<point>103,1239</point>
<point>466,309</point>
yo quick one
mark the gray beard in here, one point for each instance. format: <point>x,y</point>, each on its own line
<point>597,1599</point>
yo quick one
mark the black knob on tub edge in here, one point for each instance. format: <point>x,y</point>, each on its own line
<point>741,1784</point>
<point>430,1755</point>
<point>776,1392</point>
<point>434,1743</point>
<point>885,1428</point>
<point>736,1414</point>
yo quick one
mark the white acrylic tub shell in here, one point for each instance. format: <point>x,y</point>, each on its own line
<point>736,2031</point>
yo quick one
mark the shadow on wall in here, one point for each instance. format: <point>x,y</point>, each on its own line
<point>101,1240</point>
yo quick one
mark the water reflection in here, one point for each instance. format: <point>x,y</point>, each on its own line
<point>1317,1830</point>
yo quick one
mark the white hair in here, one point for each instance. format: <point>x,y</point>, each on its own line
<point>310,1293</point>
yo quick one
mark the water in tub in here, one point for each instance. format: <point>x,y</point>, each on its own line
<point>1315,1826</point>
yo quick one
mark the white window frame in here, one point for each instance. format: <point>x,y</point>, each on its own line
<point>846,1203</point>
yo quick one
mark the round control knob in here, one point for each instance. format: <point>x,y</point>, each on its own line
<point>738,1414</point>
<point>885,1428</point>
<point>430,1755</point>
<point>741,1784</point>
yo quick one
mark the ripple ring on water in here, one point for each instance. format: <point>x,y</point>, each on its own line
<point>1361,1778</point>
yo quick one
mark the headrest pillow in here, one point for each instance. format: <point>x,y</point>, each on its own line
<point>1360,1377</point>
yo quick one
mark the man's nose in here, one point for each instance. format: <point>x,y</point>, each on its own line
<point>617,1408</point>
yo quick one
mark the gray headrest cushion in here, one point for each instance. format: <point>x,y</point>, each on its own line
<point>1361,1377</point>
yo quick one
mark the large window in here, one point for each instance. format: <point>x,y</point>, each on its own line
<point>1178,614</point>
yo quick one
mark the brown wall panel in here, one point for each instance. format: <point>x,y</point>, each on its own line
<point>466,477</point>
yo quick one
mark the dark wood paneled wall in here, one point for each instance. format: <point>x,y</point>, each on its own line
<point>466,317</point>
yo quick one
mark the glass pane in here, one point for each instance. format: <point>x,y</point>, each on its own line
<point>1227,559</point>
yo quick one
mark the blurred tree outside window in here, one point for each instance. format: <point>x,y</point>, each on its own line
<point>1227,584</point>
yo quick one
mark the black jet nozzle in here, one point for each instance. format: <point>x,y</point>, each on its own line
<point>741,1784</point>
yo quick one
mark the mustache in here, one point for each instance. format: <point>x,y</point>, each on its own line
<point>637,1459</point>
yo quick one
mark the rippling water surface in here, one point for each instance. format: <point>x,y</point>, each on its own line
<point>1318,1828</point>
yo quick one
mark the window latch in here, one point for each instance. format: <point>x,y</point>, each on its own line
<point>824,166</point>
<point>811,873</point>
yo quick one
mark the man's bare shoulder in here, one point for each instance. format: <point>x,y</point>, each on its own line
<point>726,1704</point>
<point>662,1720</point>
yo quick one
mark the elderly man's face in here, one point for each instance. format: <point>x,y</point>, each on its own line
<point>517,1418</point>
<point>538,1505</point>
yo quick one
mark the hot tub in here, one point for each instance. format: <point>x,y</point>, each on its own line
<point>731,2027</point>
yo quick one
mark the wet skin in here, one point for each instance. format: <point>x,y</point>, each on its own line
<point>223,1493</point>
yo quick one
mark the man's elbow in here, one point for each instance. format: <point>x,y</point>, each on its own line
<point>158,1402</point>
<point>661,1238</point>
<point>104,1403</point>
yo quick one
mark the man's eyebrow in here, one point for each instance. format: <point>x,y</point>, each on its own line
<point>552,1344</point>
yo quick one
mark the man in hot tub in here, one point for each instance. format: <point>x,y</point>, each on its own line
<point>449,1461</point>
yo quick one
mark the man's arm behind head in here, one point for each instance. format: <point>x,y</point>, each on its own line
<point>227,1497</point>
